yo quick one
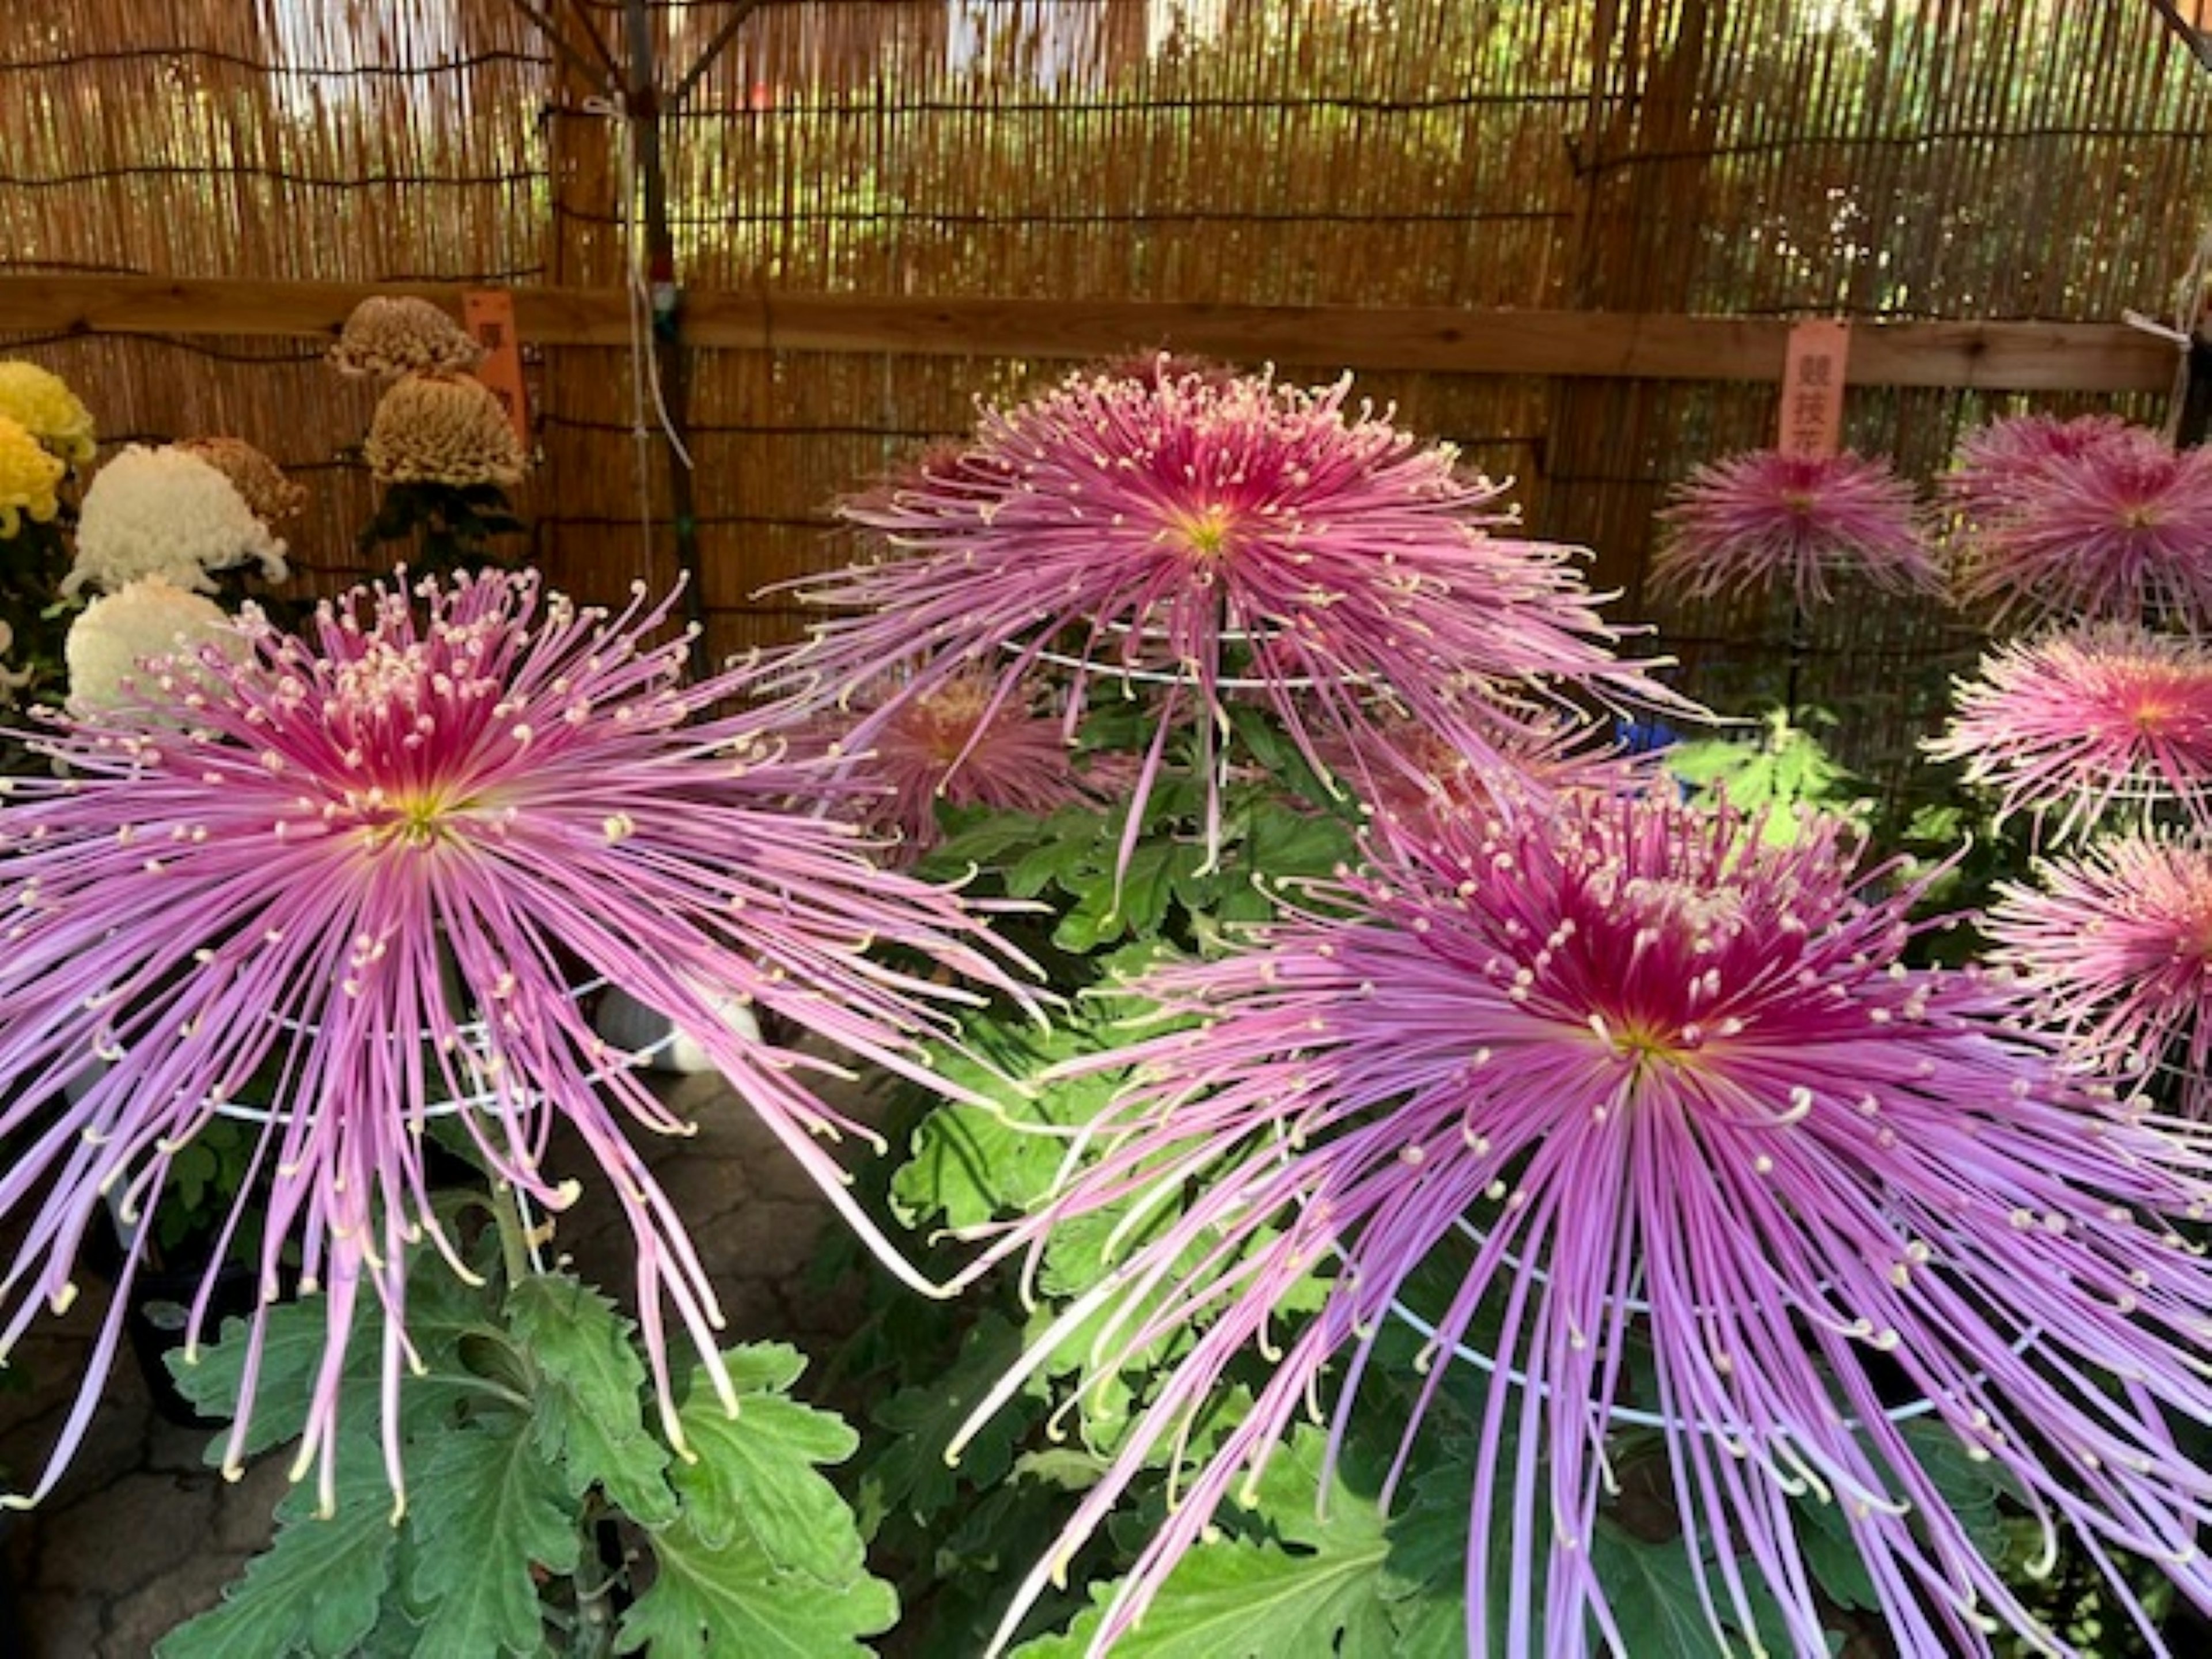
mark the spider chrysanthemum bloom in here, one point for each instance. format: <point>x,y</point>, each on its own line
<point>2120,531</point>
<point>1405,777</point>
<point>2113,949</point>
<point>1197,539</point>
<point>1995,463</point>
<point>1662,1097</point>
<point>41,402</point>
<point>359,872</point>
<point>389,335</point>
<point>1764,518</point>
<point>443,430</point>
<point>968,741</point>
<point>2068,726</point>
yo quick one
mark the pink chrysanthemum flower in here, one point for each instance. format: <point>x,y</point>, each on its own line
<point>968,741</point>
<point>1665,1095</point>
<point>361,871</point>
<point>2114,950</point>
<point>1406,776</point>
<point>2121,532</point>
<point>2067,727</point>
<point>1201,538</point>
<point>1752,521</point>
<point>1995,463</point>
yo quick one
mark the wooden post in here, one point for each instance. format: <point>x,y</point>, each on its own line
<point>2195,423</point>
<point>670,360</point>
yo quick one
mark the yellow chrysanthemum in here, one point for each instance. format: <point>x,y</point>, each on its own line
<point>27,477</point>
<point>41,403</point>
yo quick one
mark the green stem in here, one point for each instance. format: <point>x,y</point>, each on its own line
<point>514,1230</point>
<point>596,1578</point>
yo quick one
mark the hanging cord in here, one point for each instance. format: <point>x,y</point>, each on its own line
<point>2188,320</point>
<point>648,403</point>
<point>2189,304</point>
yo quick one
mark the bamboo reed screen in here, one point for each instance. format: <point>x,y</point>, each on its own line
<point>1868,158</point>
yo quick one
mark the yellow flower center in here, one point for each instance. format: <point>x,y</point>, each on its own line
<point>419,819</point>
<point>1643,1048</point>
<point>1204,536</point>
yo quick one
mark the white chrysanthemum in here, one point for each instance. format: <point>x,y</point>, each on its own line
<point>109,643</point>
<point>167,513</point>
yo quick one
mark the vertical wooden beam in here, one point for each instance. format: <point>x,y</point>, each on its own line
<point>670,360</point>
<point>2195,426</point>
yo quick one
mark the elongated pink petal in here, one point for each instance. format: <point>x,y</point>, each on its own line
<point>356,876</point>
<point>1639,1082</point>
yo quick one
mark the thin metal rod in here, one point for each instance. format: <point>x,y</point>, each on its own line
<point>599,49</point>
<point>560,43</point>
<point>2199,42</point>
<point>714,49</point>
<point>670,357</point>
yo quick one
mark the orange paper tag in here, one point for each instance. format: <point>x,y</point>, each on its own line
<point>1813,389</point>
<point>489,314</point>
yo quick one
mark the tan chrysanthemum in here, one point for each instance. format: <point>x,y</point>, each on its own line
<point>390,335</point>
<point>272,497</point>
<point>443,430</point>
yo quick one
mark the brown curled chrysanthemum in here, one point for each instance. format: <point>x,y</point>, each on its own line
<point>390,335</point>
<point>443,430</point>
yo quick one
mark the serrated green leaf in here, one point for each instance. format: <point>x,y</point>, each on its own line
<point>981,837</point>
<point>1825,1538</point>
<point>1245,902</point>
<point>1042,867</point>
<point>1706,759</point>
<point>728,1602</point>
<point>485,1508</point>
<point>911,1477</point>
<point>1652,1589</point>
<point>442,1311</point>
<point>1143,904</point>
<point>295,1334</point>
<point>587,1409</point>
<point>318,1587</point>
<point>394,1636</point>
<point>1287,844</point>
<point>1089,923</point>
<point>756,1472</point>
<point>1971,1489</point>
<point>971,1164</point>
<point>1318,1593</point>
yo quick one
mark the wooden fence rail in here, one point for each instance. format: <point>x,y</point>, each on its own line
<point>2008,357</point>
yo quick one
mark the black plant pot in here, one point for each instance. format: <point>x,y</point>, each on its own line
<point>161,1303</point>
<point>161,1294</point>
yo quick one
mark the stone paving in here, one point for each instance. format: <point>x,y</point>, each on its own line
<point>141,1534</point>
